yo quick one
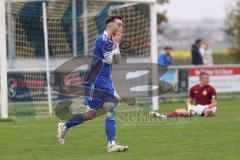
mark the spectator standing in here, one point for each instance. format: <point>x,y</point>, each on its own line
<point>196,55</point>
<point>206,53</point>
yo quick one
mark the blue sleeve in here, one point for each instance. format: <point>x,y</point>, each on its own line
<point>97,48</point>
<point>169,60</point>
<point>103,46</point>
<point>161,60</point>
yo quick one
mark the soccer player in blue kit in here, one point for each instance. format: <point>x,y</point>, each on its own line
<point>99,88</point>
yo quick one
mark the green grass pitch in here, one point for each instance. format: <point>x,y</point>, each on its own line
<point>199,138</point>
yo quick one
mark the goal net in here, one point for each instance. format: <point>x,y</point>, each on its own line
<point>72,27</point>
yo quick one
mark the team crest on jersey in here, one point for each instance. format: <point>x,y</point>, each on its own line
<point>204,92</point>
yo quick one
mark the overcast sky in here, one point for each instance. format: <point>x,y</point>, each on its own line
<point>197,9</point>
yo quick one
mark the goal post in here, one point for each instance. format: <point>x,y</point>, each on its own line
<point>46,50</point>
<point>154,50</point>
<point>45,33</point>
<point>3,54</point>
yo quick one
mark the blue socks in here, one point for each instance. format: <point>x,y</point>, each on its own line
<point>110,124</point>
<point>75,120</point>
<point>110,129</point>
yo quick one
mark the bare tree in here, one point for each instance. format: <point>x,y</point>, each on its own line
<point>233,31</point>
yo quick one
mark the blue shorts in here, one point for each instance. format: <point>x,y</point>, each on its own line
<point>101,92</point>
<point>98,99</point>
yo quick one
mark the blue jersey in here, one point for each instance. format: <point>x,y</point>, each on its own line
<point>100,80</point>
<point>103,45</point>
<point>164,60</point>
<point>100,71</point>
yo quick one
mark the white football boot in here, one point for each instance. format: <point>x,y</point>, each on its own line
<point>61,131</point>
<point>163,116</point>
<point>116,148</point>
<point>155,114</point>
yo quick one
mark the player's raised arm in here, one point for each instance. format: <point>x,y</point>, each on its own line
<point>112,57</point>
<point>116,52</point>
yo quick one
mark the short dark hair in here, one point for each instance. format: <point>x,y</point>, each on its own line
<point>203,73</point>
<point>198,41</point>
<point>167,48</point>
<point>112,18</point>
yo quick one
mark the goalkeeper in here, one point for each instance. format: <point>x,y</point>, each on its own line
<point>205,100</point>
<point>99,87</point>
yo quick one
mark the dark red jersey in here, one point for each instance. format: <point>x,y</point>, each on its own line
<point>202,94</point>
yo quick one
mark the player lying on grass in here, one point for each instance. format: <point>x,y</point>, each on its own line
<point>100,91</point>
<point>205,100</point>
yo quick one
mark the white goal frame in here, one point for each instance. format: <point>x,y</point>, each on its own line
<point>3,48</point>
